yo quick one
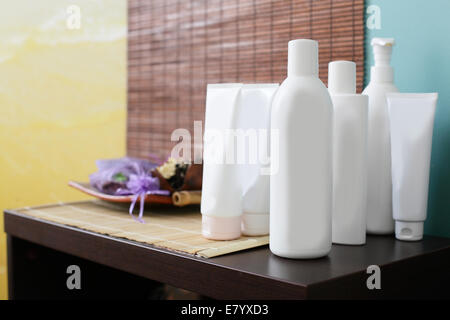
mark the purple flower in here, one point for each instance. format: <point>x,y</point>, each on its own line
<point>138,183</point>
<point>127,176</point>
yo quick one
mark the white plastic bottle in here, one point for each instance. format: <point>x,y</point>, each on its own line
<point>379,187</point>
<point>301,182</point>
<point>349,155</point>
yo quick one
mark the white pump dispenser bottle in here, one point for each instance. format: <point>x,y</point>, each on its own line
<point>379,187</point>
<point>301,183</point>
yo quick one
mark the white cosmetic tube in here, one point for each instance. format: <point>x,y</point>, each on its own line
<point>411,124</point>
<point>254,123</point>
<point>221,204</point>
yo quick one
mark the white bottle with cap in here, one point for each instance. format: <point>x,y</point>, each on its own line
<point>301,159</point>
<point>379,188</point>
<point>349,155</point>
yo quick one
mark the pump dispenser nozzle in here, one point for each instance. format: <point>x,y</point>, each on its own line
<point>382,51</point>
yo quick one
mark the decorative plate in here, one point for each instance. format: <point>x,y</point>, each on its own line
<point>88,189</point>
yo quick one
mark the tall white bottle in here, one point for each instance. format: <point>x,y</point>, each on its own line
<point>349,154</point>
<point>379,188</point>
<point>301,159</point>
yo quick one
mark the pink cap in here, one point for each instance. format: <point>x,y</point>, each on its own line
<point>254,224</point>
<point>221,228</point>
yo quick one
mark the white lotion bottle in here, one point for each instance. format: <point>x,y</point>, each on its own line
<point>301,159</point>
<point>379,187</point>
<point>349,155</point>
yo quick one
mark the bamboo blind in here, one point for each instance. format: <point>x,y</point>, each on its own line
<point>176,47</point>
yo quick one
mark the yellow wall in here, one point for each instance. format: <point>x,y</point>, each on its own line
<point>62,99</point>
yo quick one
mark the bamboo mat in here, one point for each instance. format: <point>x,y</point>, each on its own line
<point>177,229</point>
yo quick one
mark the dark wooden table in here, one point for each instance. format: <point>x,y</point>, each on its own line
<point>39,251</point>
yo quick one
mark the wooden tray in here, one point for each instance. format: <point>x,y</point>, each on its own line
<point>88,189</point>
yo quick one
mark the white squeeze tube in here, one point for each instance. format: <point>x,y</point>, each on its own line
<point>411,123</point>
<point>254,126</point>
<point>221,204</point>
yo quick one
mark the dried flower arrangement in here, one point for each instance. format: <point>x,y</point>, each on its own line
<point>139,178</point>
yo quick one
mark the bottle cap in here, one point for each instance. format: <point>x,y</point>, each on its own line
<point>303,57</point>
<point>342,77</point>
<point>409,231</point>
<point>221,228</point>
<point>254,224</point>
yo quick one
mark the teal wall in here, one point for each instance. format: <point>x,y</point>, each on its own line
<point>421,61</point>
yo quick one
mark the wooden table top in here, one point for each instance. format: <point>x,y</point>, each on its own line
<point>256,273</point>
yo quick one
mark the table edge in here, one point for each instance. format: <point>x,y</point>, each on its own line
<point>262,281</point>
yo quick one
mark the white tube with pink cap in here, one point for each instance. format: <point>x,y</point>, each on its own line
<point>221,204</point>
